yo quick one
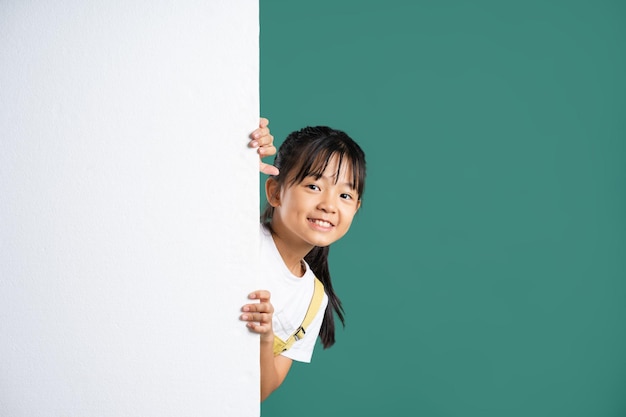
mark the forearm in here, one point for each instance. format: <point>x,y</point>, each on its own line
<point>270,378</point>
<point>274,369</point>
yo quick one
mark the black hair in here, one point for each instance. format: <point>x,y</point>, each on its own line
<point>305,153</point>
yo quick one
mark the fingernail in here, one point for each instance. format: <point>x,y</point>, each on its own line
<point>246,308</point>
<point>244,317</point>
<point>254,143</point>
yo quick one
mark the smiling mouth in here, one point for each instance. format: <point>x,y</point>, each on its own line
<point>322,223</point>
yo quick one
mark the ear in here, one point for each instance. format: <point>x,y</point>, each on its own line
<point>272,192</point>
<point>358,205</point>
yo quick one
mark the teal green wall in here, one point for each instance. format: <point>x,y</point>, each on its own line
<point>486,272</point>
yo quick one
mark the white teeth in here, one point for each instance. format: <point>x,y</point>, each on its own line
<point>322,223</point>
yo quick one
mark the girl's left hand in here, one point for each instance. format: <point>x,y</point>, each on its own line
<point>264,141</point>
<point>259,315</point>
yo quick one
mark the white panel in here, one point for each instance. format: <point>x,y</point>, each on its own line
<point>128,207</point>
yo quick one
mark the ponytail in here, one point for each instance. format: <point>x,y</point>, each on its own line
<point>318,261</point>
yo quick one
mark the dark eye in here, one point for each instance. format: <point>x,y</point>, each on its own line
<point>346,196</point>
<point>313,187</point>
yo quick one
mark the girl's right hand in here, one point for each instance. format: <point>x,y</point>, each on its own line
<point>259,315</point>
<point>262,139</point>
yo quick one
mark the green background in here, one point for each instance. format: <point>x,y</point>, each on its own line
<point>485,274</point>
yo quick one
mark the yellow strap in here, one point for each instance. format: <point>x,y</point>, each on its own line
<point>318,295</point>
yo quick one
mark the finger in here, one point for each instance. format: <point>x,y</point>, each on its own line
<point>264,138</point>
<point>268,169</point>
<point>257,317</point>
<point>263,122</point>
<point>266,151</point>
<point>259,308</point>
<point>260,133</point>
<point>262,295</point>
<point>259,328</point>
<point>265,145</point>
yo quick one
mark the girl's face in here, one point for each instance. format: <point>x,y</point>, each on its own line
<point>315,212</point>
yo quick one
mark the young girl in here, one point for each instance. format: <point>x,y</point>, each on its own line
<point>311,202</point>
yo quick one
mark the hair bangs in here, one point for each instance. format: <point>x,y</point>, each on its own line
<point>317,156</point>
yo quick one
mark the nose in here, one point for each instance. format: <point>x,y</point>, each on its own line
<point>327,203</point>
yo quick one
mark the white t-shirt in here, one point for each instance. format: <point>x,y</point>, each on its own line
<point>290,296</point>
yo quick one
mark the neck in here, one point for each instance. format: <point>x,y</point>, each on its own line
<point>292,253</point>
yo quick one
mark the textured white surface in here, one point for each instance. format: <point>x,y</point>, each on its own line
<point>128,207</point>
